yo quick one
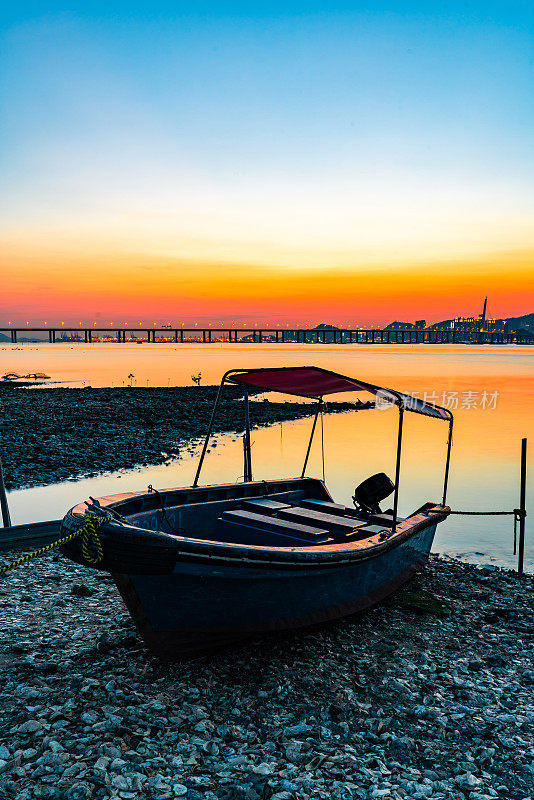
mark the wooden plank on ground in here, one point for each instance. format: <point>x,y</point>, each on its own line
<point>30,536</point>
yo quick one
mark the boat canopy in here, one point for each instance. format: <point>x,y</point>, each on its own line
<point>315,382</point>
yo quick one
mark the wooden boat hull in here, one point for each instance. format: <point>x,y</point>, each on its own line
<point>214,583</point>
<point>200,607</point>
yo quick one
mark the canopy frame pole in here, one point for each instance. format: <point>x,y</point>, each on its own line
<point>398,466</point>
<point>447,462</point>
<point>210,429</point>
<point>317,410</point>
<point>247,456</point>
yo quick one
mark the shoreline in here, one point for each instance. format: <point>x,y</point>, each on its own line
<point>55,434</point>
<point>428,695</point>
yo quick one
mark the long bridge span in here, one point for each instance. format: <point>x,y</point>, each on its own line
<point>122,334</point>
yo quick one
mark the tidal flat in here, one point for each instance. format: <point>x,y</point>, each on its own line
<point>53,434</point>
<point>428,695</point>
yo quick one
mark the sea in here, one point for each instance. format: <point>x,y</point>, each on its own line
<point>489,389</point>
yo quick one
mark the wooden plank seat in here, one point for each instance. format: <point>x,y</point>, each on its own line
<point>263,505</point>
<point>331,522</point>
<point>370,530</point>
<point>326,506</point>
<point>385,519</point>
<point>261,522</point>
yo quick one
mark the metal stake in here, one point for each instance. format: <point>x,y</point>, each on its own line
<point>6,519</point>
<point>522,505</point>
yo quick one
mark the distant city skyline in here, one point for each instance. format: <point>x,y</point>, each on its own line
<point>285,163</point>
<point>71,323</point>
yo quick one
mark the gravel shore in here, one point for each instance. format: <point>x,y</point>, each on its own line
<point>50,435</point>
<point>426,696</point>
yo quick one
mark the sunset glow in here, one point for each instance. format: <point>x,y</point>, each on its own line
<point>290,166</point>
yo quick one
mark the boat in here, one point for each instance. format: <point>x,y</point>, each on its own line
<point>200,567</point>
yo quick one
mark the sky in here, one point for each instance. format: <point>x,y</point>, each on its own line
<point>278,162</point>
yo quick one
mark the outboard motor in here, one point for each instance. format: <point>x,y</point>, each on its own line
<point>368,494</point>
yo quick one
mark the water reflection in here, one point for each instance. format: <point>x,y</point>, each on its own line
<point>485,460</point>
<point>356,446</point>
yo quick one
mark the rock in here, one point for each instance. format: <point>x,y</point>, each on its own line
<point>79,791</point>
<point>81,590</point>
<point>31,726</point>
<point>297,730</point>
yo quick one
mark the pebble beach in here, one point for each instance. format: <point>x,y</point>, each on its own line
<point>429,695</point>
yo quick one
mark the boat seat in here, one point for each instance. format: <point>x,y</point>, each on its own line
<point>328,521</point>
<point>385,519</point>
<point>325,505</point>
<point>249,525</point>
<point>263,505</point>
<point>371,530</point>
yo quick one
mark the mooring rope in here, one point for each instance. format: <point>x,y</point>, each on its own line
<point>164,518</point>
<point>484,513</point>
<point>91,545</point>
<point>517,513</point>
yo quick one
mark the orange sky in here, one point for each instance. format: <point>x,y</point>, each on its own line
<point>173,164</point>
<point>43,284</point>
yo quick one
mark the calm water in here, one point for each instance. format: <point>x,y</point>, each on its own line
<point>492,387</point>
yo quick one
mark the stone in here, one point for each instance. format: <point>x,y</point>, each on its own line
<point>79,791</point>
<point>31,726</point>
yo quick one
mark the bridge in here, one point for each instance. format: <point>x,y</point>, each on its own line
<point>121,335</point>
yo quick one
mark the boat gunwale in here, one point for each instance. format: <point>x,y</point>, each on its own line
<point>312,555</point>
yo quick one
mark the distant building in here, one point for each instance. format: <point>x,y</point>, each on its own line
<point>400,326</point>
<point>420,324</point>
<point>472,326</point>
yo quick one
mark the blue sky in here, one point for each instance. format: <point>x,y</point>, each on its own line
<point>289,88</point>
<point>285,133</point>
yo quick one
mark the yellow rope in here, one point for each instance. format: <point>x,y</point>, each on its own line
<point>90,541</point>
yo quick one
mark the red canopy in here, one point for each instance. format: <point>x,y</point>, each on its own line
<point>316,383</point>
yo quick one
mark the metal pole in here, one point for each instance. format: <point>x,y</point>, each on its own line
<point>247,476</point>
<point>6,519</point>
<point>210,428</point>
<point>522,505</point>
<point>397,467</point>
<point>319,404</point>
<point>447,462</point>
